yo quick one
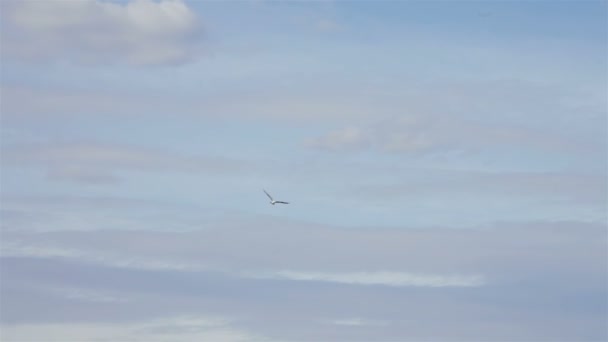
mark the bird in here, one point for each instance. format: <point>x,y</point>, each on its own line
<point>272,201</point>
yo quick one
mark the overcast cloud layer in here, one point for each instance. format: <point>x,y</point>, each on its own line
<point>445,165</point>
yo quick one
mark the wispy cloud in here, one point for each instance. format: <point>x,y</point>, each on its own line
<point>87,295</point>
<point>308,279</point>
<point>120,260</point>
<point>359,322</point>
<point>464,188</point>
<point>99,257</point>
<point>397,279</point>
<point>417,133</point>
<point>328,25</point>
<point>199,328</point>
<point>100,163</point>
<point>140,32</point>
<point>348,138</point>
<point>575,188</point>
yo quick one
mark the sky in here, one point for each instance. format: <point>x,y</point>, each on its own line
<point>445,163</point>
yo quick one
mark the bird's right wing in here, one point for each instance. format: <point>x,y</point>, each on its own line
<point>282,202</point>
<point>267,194</point>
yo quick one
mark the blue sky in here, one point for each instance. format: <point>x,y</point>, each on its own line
<point>445,163</point>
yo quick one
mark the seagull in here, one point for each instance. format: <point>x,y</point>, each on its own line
<point>272,201</point>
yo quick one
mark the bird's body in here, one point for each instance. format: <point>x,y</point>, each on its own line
<point>272,200</point>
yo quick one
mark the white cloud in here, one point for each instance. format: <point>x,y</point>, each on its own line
<point>398,279</point>
<point>140,32</point>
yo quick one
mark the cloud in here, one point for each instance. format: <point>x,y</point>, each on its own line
<point>119,260</point>
<point>328,26</point>
<point>348,138</point>
<point>586,189</point>
<point>87,295</point>
<point>419,134</point>
<point>178,328</point>
<point>475,116</point>
<point>254,274</point>
<point>398,279</point>
<point>291,280</point>
<point>358,322</point>
<point>23,249</point>
<point>82,174</point>
<point>23,103</point>
<point>139,32</point>
<point>155,236</point>
<point>101,163</point>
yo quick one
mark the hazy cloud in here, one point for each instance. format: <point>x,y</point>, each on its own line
<point>348,138</point>
<point>101,163</point>
<point>464,198</point>
<point>534,275</point>
<point>200,328</point>
<point>328,25</point>
<point>417,133</point>
<point>140,32</point>
<point>575,188</point>
<point>357,322</point>
<point>86,295</point>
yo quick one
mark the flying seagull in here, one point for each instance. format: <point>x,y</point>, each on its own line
<point>272,201</point>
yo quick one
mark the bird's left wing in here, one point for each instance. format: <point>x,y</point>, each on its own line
<point>267,194</point>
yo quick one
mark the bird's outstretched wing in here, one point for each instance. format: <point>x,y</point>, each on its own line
<point>267,194</point>
<point>282,202</point>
